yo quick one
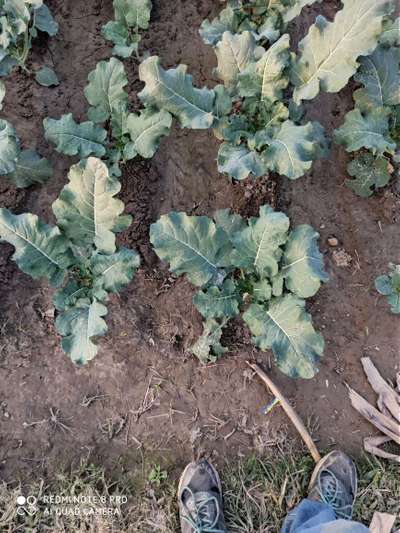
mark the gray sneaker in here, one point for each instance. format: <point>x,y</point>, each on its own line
<point>200,499</point>
<point>334,482</point>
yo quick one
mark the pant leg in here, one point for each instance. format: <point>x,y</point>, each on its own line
<point>316,517</point>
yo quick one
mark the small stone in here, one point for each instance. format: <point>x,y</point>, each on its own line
<point>332,241</point>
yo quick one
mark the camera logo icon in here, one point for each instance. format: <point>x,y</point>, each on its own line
<point>26,506</point>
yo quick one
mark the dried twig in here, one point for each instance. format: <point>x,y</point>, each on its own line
<point>386,418</point>
<point>291,413</point>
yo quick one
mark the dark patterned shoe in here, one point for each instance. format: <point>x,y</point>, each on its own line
<point>200,499</point>
<point>334,482</point>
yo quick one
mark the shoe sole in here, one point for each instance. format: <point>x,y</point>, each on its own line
<point>187,468</point>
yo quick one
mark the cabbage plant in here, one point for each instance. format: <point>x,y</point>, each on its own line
<point>258,268</point>
<point>389,286</point>
<point>20,21</point>
<point>130,16</point>
<point>78,255</point>
<point>113,132</point>
<point>371,131</point>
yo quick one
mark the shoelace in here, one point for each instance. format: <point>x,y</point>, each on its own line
<point>332,494</point>
<point>200,519</point>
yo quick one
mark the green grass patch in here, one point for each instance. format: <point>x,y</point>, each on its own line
<point>258,493</point>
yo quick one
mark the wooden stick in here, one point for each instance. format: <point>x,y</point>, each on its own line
<point>291,413</point>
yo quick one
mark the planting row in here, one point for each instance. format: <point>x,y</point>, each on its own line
<point>259,268</point>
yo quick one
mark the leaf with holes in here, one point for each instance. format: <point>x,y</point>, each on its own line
<point>369,130</point>
<point>389,286</point>
<point>369,173</point>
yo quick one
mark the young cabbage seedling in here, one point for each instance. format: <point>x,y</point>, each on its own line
<point>79,255</point>
<point>258,268</point>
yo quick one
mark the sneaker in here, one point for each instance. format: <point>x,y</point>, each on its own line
<point>334,482</point>
<point>200,499</point>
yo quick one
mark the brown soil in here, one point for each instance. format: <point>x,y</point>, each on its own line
<point>190,409</point>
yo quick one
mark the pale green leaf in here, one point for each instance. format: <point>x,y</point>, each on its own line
<point>133,13</point>
<point>71,138</point>
<point>292,149</point>
<point>30,168</point>
<point>369,130</point>
<point>40,250</point>
<point>9,147</point>
<point>44,20</point>
<point>235,51</point>
<point>303,263</point>
<point>208,347</point>
<point>265,78</point>
<point>86,209</point>
<point>105,90</point>
<point>389,286</point>
<point>47,77</point>
<point>227,20</point>
<point>329,52</point>
<point>295,9</point>
<point>262,291</point>
<point>369,172</point>
<point>390,35</point>
<point>238,161</point>
<point>113,272</point>
<point>229,222</point>
<point>257,247</point>
<point>173,91</point>
<point>78,326</point>
<point>67,296</point>
<point>191,245</point>
<point>218,302</point>
<point>285,327</point>
<point>380,75</point>
<point>146,131</point>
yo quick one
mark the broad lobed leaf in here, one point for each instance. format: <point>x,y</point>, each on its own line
<point>71,138</point>
<point>193,246</point>
<point>105,91</point>
<point>366,130</point>
<point>303,264</point>
<point>329,52</point>
<point>77,326</point>
<point>369,172</point>
<point>40,250</point>
<point>286,328</point>
<point>86,209</point>
<point>173,91</point>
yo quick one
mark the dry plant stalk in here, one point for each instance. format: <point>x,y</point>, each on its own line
<point>386,417</point>
<point>291,413</point>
